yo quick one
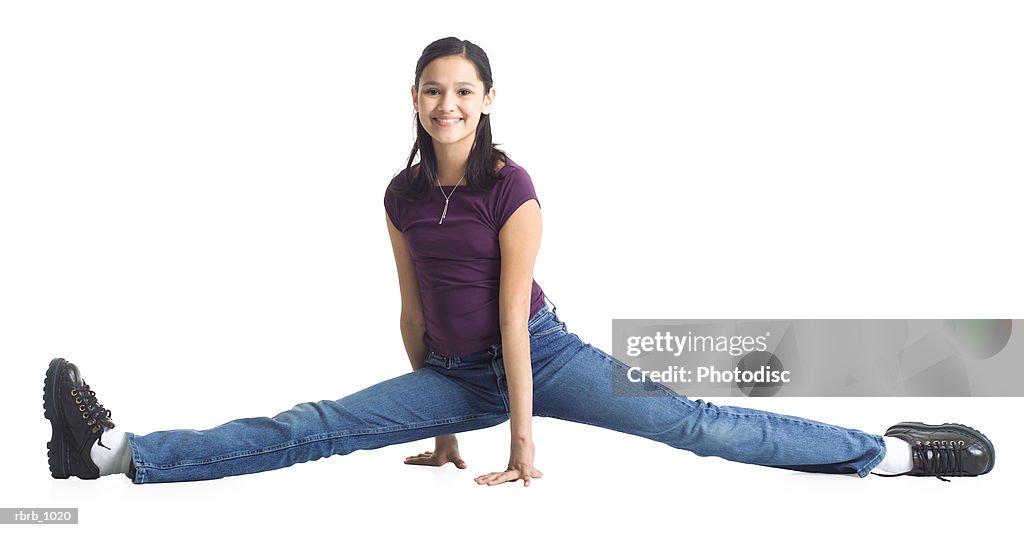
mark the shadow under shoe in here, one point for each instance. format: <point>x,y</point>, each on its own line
<point>950,449</point>
<point>77,421</point>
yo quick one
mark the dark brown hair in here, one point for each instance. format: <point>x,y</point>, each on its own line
<point>483,156</point>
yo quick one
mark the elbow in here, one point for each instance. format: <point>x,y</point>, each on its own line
<point>412,322</point>
<point>515,320</point>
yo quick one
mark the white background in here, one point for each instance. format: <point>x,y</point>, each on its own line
<point>191,211</point>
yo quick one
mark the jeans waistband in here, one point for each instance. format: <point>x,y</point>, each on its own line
<point>540,313</point>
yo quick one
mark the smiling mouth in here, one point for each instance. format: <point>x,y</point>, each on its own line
<point>446,122</point>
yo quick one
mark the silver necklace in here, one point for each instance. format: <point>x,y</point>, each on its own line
<point>446,197</point>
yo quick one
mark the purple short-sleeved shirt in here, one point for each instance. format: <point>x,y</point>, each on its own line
<point>458,262</point>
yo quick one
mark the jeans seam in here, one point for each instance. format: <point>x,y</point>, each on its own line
<point>617,363</point>
<point>498,377</point>
<point>754,414</point>
<point>862,471</point>
<point>870,465</point>
<point>133,450</point>
<point>309,440</point>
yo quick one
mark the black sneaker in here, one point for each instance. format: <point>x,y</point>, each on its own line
<point>76,418</point>
<point>949,449</point>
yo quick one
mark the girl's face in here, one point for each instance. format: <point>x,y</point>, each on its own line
<point>451,100</point>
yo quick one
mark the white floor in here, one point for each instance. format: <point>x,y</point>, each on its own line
<point>595,481</point>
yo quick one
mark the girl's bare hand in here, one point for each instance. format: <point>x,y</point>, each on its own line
<point>520,466</point>
<point>446,449</point>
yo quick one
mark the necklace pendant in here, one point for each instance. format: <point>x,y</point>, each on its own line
<point>443,213</point>
<point>446,196</point>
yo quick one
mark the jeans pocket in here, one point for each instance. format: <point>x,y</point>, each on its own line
<point>552,328</point>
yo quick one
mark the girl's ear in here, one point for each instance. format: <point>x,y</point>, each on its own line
<point>489,101</point>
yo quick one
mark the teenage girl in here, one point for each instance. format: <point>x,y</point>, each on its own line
<point>485,344</point>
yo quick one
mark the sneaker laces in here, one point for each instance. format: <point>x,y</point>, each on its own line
<point>946,458</point>
<point>97,417</point>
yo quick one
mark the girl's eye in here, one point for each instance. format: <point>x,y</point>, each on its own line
<point>428,92</point>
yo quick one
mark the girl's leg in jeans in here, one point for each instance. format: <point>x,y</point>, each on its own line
<point>573,381</point>
<point>431,401</point>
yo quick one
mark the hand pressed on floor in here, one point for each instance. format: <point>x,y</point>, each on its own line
<point>446,449</point>
<point>520,466</point>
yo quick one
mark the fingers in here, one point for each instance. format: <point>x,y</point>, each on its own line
<point>497,478</point>
<point>494,478</point>
<point>429,458</point>
<point>425,458</point>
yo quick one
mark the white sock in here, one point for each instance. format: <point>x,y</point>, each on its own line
<point>114,460</point>
<point>898,457</point>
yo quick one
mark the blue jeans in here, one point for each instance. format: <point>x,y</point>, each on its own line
<point>572,381</point>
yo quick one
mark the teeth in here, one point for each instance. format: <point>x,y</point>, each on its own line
<point>448,121</point>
